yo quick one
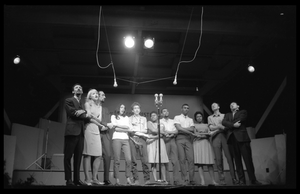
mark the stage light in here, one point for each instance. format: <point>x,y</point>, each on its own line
<point>251,69</point>
<point>17,59</point>
<point>149,43</point>
<point>129,41</point>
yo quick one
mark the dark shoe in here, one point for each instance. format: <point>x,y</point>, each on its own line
<point>107,183</point>
<point>256,183</point>
<point>191,183</point>
<point>79,183</point>
<point>235,182</point>
<point>70,183</point>
<point>222,182</point>
<point>242,183</point>
<point>177,183</point>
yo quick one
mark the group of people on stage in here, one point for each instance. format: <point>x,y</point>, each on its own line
<point>184,142</point>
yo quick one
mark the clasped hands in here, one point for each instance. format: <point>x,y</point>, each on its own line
<point>237,124</point>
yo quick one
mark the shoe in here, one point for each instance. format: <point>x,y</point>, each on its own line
<point>96,183</point>
<point>118,184</point>
<point>215,184</point>
<point>79,183</point>
<point>256,183</point>
<point>70,183</point>
<point>222,182</point>
<point>129,181</point>
<point>107,183</point>
<point>192,183</point>
<point>147,182</point>
<point>136,182</point>
<point>177,183</point>
<point>87,183</point>
<point>235,182</point>
<point>242,183</point>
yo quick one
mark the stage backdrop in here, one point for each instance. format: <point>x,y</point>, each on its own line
<point>171,102</point>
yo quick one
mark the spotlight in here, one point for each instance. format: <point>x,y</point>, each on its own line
<point>251,69</point>
<point>129,41</point>
<point>149,43</point>
<point>17,59</point>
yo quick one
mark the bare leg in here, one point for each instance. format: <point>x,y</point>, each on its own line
<point>96,165</point>
<point>212,174</point>
<point>153,167</point>
<point>86,167</point>
<point>163,170</point>
<point>201,174</point>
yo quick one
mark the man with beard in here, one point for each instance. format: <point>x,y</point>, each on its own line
<point>106,138</point>
<point>74,136</point>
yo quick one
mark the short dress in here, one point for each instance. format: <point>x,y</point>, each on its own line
<point>153,149</point>
<point>203,151</point>
<point>92,138</point>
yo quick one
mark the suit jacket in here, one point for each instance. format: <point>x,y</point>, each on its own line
<point>106,119</point>
<point>74,125</point>
<point>240,133</point>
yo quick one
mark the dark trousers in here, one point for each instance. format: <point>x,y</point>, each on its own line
<point>73,147</point>
<point>242,149</point>
<point>172,152</point>
<point>219,144</point>
<point>142,152</point>
<point>186,153</point>
<point>106,154</point>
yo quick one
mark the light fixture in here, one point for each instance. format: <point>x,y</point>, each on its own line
<point>149,43</point>
<point>17,59</point>
<point>129,41</point>
<point>175,80</point>
<point>115,83</point>
<point>251,69</point>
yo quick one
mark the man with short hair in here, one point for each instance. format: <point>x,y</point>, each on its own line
<point>171,147</point>
<point>238,138</point>
<point>184,140</point>
<point>74,136</point>
<point>137,142</point>
<point>219,143</point>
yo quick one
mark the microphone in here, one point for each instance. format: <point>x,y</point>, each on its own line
<point>175,80</point>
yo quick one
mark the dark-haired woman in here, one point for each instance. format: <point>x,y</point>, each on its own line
<point>120,142</point>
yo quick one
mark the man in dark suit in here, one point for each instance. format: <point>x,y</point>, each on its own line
<point>74,136</point>
<point>238,139</point>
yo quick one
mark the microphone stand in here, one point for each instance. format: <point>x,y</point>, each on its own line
<point>158,104</point>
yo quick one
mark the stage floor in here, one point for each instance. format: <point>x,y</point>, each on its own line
<point>154,186</point>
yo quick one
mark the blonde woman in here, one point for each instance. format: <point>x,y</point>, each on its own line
<point>92,139</point>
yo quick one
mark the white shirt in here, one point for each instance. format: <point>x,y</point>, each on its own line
<point>121,121</point>
<point>184,121</point>
<point>169,125</point>
<point>138,123</point>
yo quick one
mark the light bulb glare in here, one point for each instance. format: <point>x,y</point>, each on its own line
<point>17,60</point>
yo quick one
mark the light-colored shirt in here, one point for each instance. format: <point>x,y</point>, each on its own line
<point>215,119</point>
<point>185,122</point>
<point>138,123</point>
<point>169,125</point>
<point>123,120</point>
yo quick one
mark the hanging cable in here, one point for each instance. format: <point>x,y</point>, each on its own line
<point>97,50</point>
<point>175,79</point>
